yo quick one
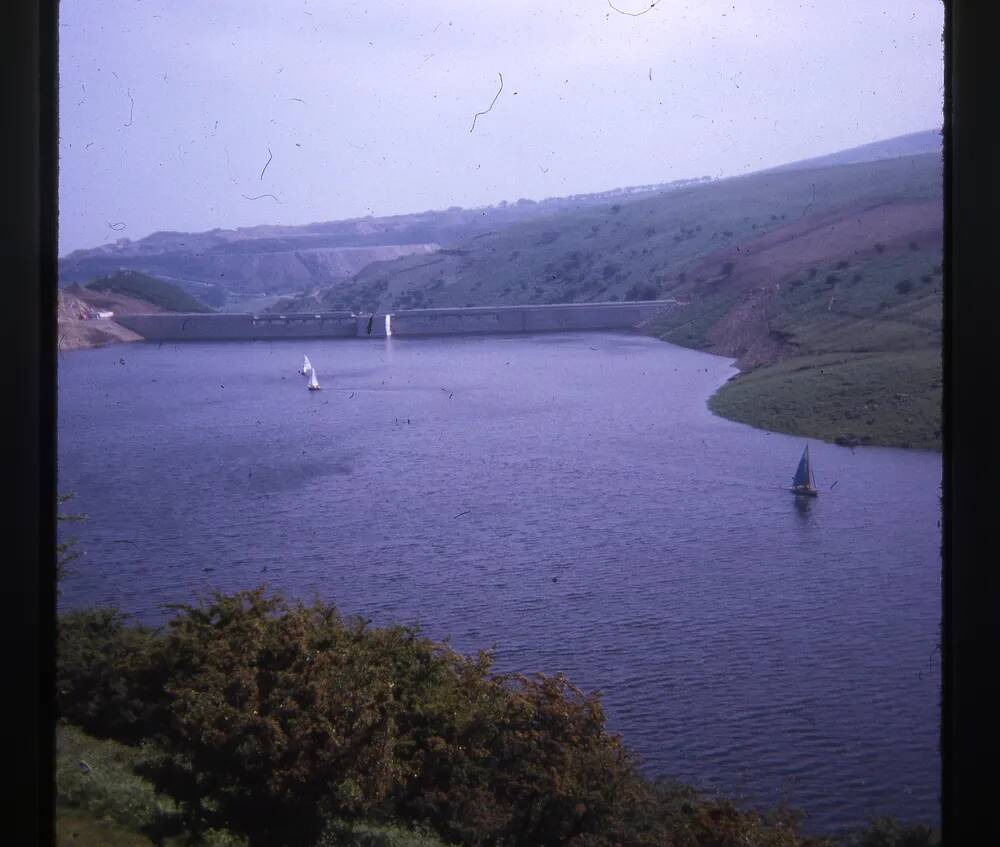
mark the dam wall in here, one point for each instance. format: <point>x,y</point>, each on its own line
<point>223,327</point>
<point>472,320</point>
<point>563,317</point>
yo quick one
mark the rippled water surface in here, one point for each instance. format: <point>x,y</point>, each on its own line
<point>567,498</point>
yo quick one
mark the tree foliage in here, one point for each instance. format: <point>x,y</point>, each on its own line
<point>888,832</point>
<point>66,550</point>
<point>277,721</point>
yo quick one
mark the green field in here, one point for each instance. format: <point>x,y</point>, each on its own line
<point>862,357</point>
<point>889,398</point>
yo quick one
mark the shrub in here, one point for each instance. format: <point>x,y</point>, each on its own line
<point>346,834</point>
<point>287,724</point>
<point>100,776</point>
<point>66,550</point>
<point>887,832</point>
<point>104,676</point>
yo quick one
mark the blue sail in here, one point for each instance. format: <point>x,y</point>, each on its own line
<point>802,475</point>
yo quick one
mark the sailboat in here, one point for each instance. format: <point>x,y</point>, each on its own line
<point>804,482</point>
<point>313,382</point>
<point>306,366</point>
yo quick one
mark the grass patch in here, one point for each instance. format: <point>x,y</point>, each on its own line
<point>166,295</point>
<point>76,827</point>
<point>111,805</point>
<point>105,801</point>
<point>891,399</point>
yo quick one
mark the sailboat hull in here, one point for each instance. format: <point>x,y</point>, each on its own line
<point>804,492</point>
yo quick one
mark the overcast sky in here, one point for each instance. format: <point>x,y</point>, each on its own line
<point>170,111</point>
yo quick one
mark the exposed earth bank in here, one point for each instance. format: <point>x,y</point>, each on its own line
<point>81,325</point>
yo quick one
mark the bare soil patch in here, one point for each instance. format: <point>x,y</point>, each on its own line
<point>756,268</point>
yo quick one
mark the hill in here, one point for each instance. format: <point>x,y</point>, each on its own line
<point>86,313</point>
<point>835,267</point>
<point>244,268</point>
<point>822,278</point>
<point>140,286</point>
<point>249,268</point>
<point>913,144</point>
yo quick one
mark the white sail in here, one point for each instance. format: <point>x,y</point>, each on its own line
<point>313,382</point>
<point>306,365</point>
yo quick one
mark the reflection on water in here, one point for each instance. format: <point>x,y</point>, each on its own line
<point>569,498</point>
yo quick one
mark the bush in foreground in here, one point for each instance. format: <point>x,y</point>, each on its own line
<point>286,724</point>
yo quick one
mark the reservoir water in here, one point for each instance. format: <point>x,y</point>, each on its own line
<point>567,499</point>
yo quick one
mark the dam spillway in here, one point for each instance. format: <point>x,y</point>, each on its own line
<point>562,317</point>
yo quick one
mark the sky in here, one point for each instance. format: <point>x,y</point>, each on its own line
<point>191,116</point>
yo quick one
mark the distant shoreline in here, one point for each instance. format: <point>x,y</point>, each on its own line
<point>773,398</point>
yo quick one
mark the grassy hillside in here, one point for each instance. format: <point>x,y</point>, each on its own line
<point>649,246</point>
<point>166,295</point>
<point>228,267</point>
<point>847,351</point>
<point>881,398</point>
<point>782,270</point>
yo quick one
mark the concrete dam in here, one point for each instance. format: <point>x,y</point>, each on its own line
<point>562,317</point>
